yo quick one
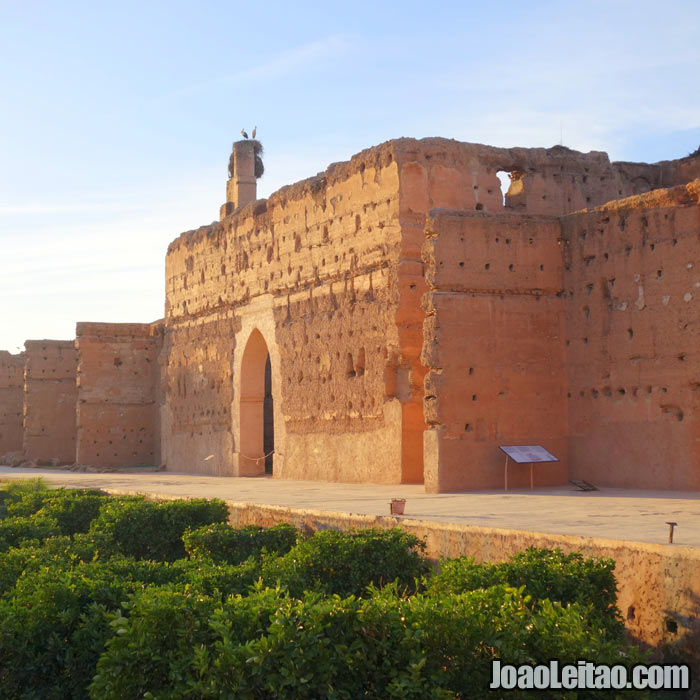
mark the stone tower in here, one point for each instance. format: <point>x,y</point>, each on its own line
<point>241,188</point>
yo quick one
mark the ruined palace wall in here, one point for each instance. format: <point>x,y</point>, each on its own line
<point>117,411</point>
<point>637,178</point>
<point>436,173</point>
<point>197,391</point>
<point>11,399</point>
<point>633,286</point>
<point>50,395</point>
<point>323,253</point>
<point>493,346</point>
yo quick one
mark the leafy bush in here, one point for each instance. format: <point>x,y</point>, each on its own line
<point>54,626</point>
<point>270,645</point>
<point>15,530</point>
<point>160,650</point>
<point>546,574</point>
<point>73,512</point>
<point>121,611</point>
<point>221,542</point>
<point>345,563</point>
<point>153,530</point>
<point>215,579</point>
<point>17,490</point>
<point>463,633</point>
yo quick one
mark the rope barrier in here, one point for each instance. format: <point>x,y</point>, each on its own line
<point>256,459</point>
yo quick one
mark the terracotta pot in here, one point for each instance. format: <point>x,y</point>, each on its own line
<point>397,506</point>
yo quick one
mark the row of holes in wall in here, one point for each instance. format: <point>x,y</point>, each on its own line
<point>634,393</point>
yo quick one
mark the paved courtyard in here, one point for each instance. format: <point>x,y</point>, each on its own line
<point>632,515</point>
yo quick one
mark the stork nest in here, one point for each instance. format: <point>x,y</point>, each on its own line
<point>258,150</point>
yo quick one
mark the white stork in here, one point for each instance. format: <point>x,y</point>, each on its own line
<point>243,134</point>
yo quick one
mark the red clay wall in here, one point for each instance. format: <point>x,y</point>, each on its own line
<point>314,269</point>
<point>11,399</point>
<point>493,345</point>
<point>50,395</point>
<point>117,416</point>
<point>633,285</point>
<point>436,173</point>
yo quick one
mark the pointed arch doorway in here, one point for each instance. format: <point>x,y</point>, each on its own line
<point>257,430</point>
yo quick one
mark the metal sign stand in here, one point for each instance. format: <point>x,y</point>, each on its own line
<point>526,454</point>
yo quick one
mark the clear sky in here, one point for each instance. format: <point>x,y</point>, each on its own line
<point>117,118</point>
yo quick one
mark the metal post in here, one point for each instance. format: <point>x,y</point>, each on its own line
<point>506,479</point>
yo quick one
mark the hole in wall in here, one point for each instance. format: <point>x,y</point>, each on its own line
<point>630,612</point>
<point>671,626</point>
<point>504,178</point>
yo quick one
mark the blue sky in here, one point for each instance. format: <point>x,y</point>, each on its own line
<point>117,118</point>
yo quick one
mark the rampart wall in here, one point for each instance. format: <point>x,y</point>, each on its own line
<point>50,395</point>
<point>117,409</point>
<point>314,269</point>
<point>11,401</point>
<point>632,278</point>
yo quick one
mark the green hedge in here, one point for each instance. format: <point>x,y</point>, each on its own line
<point>345,563</point>
<point>270,645</point>
<point>220,542</point>
<point>17,530</point>
<point>546,574</point>
<point>153,530</point>
<point>120,611</point>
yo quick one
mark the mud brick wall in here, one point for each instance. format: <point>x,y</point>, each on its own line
<point>314,269</point>
<point>632,277</point>
<point>117,413</point>
<point>11,400</point>
<point>50,395</point>
<point>197,393</point>
<point>493,346</point>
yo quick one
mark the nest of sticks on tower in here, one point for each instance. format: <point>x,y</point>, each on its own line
<point>258,150</point>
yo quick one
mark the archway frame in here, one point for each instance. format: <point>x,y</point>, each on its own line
<point>253,341</point>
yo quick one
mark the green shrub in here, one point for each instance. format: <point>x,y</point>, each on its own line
<point>29,491</point>
<point>15,530</point>
<point>463,633</point>
<point>221,542</point>
<point>345,563</point>
<point>152,652</point>
<point>215,579</point>
<point>546,574</point>
<point>73,511</point>
<point>153,530</point>
<point>317,648</point>
<point>269,645</point>
<point>54,625</point>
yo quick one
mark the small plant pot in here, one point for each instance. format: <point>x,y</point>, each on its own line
<point>397,505</point>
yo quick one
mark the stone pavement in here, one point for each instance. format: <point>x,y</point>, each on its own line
<point>619,514</point>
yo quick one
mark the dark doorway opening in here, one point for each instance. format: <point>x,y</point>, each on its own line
<point>268,419</point>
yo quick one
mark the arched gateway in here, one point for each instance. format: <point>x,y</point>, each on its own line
<point>256,445</point>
